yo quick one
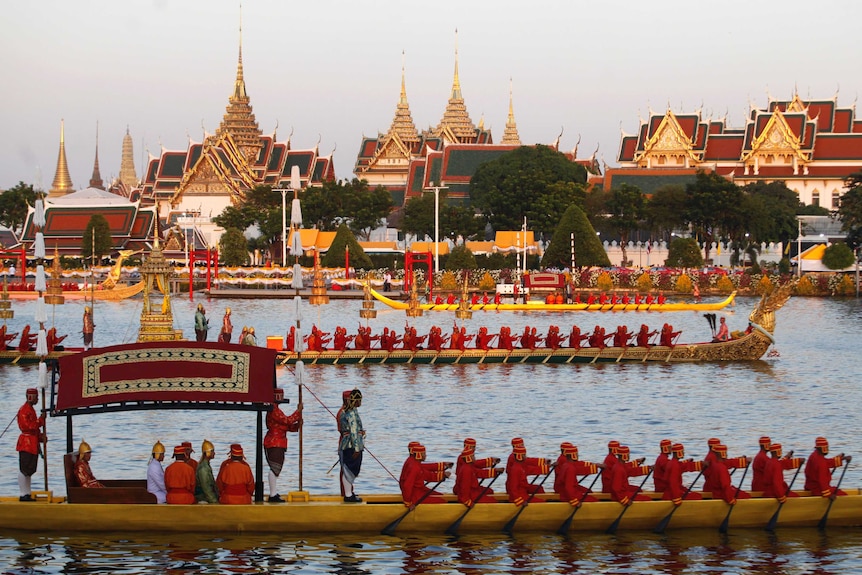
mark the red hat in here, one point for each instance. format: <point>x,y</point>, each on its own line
<point>678,448</point>
<point>278,394</point>
<point>188,445</point>
<point>412,446</point>
<point>470,442</point>
<point>613,446</point>
<point>565,445</point>
<point>345,395</point>
<point>821,442</point>
<point>713,441</point>
<point>418,450</point>
<point>765,441</point>
<point>775,448</point>
<point>517,441</point>
<point>236,450</point>
<point>623,450</point>
<point>179,450</point>
<point>31,391</point>
<point>665,445</point>
<point>720,449</point>
<point>520,452</point>
<point>571,450</point>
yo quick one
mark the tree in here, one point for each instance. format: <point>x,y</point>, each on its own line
<point>327,206</point>
<point>588,248</point>
<point>770,210</point>
<point>103,244</point>
<point>665,211</point>
<point>455,220</point>
<point>838,256</point>
<point>335,256</point>
<point>535,182</point>
<point>684,253</point>
<point>850,210</point>
<point>625,208</point>
<point>233,248</point>
<point>461,258</point>
<point>13,205</point>
<point>418,215</point>
<point>714,205</point>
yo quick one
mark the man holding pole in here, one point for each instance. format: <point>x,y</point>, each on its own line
<point>278,424</point>
<point>28,442</point>
<point>351,444</point>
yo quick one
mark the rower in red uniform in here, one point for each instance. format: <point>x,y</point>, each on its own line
<point>620,489</point>
<point>518,469</point>
<point>575,337</point>
<point>722,486</point>
<point>554,340</point>
<point>566,475</point>
<point>659,473</point>
<point>761,462</point>
<point>591,299</point>
<point>484,339</point>
<point>668,335</point>
<point>644,335</point>
<point>455,341</point>
<point>498,298</point>
<point>527,341</point>
<point>415,473</point>
<point>622,336</point>
<point>609,462</point>
<point>289,339</point>
<point>818,470</point>
<point>52,340</point>
<point>341,339</point>
<point>676,466</point>
<point>27,340</point>
<point>505,339</point>
<point>598,339</point>
<point>710,479</point>
<point>469,471</point>
<point>774,483</point>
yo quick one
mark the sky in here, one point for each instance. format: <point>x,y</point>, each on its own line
<point>330,71</point>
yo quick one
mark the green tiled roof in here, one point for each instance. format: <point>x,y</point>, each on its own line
<point>649,183</point>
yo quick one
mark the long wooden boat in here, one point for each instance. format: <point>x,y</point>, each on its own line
<point>116,293</point>
<point>14,357</point>
<point>329,514</point>
<point>750,346</point>
<point>560,307</point>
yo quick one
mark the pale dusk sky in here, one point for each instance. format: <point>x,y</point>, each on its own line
<point>330,71</point>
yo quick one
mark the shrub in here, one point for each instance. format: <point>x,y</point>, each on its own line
<point>724,285</point>
<point>487,282</point>
<point>683,284</point>
<point>846,286</point>
<point>605,282</point>
<point>764,286</point>
<point>644,283</point>
<point>461,258</point>
<point>449,282</point>
<point>838,256</point>
<point>684,253</point>
<point>804,286</point>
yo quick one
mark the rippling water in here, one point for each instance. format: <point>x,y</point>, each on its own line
<point>811,389</point>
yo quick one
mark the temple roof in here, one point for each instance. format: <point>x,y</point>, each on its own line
<point>62,180</point>
<point>510,135</point>
<point>90,196</point>
<point>456,125</point>
<point>239,120</point>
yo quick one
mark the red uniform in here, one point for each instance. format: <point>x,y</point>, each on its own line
<point>84,474</point>
<point>414,475</point>
<point>553,340</point>
<point>775,485</point>
<point>575,337</point>
<point>721,486</point>
<point>278,424</point>
<point>180,483</point>
<point>30,426</point>
<point>517,485</point>
<point>818,474</point>
<point>469,471</point>
<point>566,480</point>
<point>659,472</point>
<point>620,488</point>
<point>675,489</point>
<point>235,482</point>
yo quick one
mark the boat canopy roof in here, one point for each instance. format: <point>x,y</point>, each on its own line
<point>165,375</point>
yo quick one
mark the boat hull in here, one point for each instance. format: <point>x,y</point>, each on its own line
<point>117,293</point>
<point>12,357</point>
<point>560,307</point>
<point>328,514</point>
<point>749,347</point>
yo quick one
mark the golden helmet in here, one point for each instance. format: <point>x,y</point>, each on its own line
<point>207,446</point>
<point>84,448</point>
<point>251,330</point>
<point>200,307</point>
<point>158,448</point>
<point>87,309</point>
<point>227,310</point>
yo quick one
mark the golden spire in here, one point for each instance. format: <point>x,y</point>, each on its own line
<point>127,164</point>
<point>62,181</point>
<point>96,178</point>
<point>510,135</point>
<point>239,120</point>
<point>403,124</point>
<point>456,121</point>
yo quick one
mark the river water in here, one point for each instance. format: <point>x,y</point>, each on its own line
<point>808,388</point>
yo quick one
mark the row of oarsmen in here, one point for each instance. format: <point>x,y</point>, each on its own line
<point>768,468</point>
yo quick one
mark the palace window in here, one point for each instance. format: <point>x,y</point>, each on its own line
<point>836,200</point>
<point>815,199</point>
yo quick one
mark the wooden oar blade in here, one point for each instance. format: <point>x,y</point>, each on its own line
<point>612,530</point>
<point>773,521</point>
<point>660,528</point>
<point>390,529</point>
<point>725,524</point>
<point>567,524</point>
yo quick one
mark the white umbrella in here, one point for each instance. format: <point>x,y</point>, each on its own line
<point>39,215</point>
<point>297,277</point>
<point>299,372</point>
<point>41,311</point>
<point>295,213</point>
<point>41,284</point>
<point>42,343</point>
<point>39,245</point>
<point>43,375</point>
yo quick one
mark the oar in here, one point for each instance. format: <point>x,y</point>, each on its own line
<point>11,421</point>
<point>724,524</point>
<point>613,528</point>
<point>507,528</point>
<point>453,529</point>
<point>567,524</point>
<point>774,519</point>
<point>390,529</point>
<point>822,524</point>
<point>664,522</point>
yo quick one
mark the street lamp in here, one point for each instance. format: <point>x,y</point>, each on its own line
<point>436,189</point>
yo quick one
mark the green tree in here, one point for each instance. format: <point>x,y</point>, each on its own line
<point>233,248</point>
<point>684,253</point>
<point>838,256</point>
<point>770,210</point>
<point>461,258</point>
<point>666,210</point>
<point>625,208</point>
<point>588,248</point>
<point>103,244</point>
<point>335,255</point>
<point>455,219</point>
<point>327,206</point>
<point>714,205</point>
<point>535,182</point>
<point>850,210</point>
<point>13,205</point>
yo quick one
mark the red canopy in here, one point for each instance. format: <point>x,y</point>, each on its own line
<point>174,372</point>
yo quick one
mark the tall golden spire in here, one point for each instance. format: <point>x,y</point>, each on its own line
<point>239,120</point>
<point>62,184</point>
<point>456,121</point>
<point>96,178</point>
<point>403,124</point>
<point>510,135</point>
<point>127,164</point>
